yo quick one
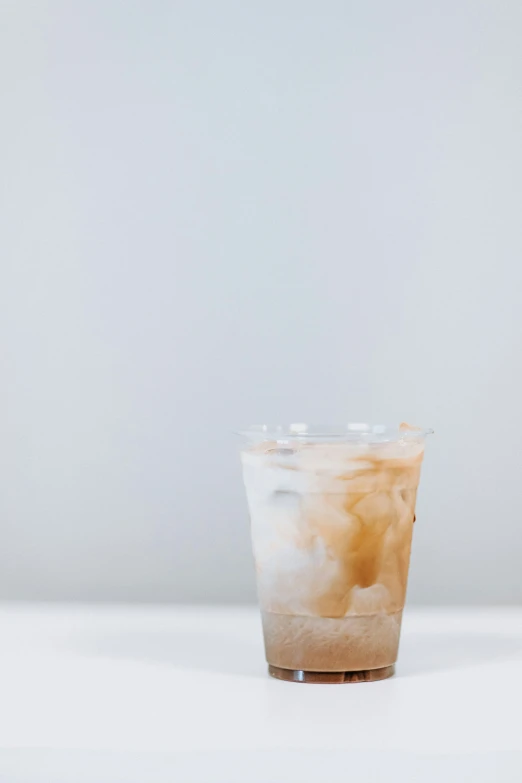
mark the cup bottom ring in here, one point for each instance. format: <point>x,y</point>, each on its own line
<point>298,675</point>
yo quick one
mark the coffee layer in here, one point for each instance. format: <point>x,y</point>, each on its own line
<point>326,644</point>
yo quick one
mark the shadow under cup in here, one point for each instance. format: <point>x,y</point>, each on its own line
<point>332,512</point>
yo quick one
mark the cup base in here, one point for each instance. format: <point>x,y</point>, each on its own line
<point>297,675</point>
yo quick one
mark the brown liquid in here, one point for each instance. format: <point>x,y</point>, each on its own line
<point>334,600</point>
<point>374,545</point>
<point>324,644</point>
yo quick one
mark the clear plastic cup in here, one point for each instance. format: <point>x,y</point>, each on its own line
<point>332,511</point>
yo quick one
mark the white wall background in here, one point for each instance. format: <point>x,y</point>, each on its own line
<point>214,213</point>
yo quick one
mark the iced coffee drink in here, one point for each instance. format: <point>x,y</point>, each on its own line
<point>332,513</point>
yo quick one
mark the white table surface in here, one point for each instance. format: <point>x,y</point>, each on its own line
<point>104,694</point>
